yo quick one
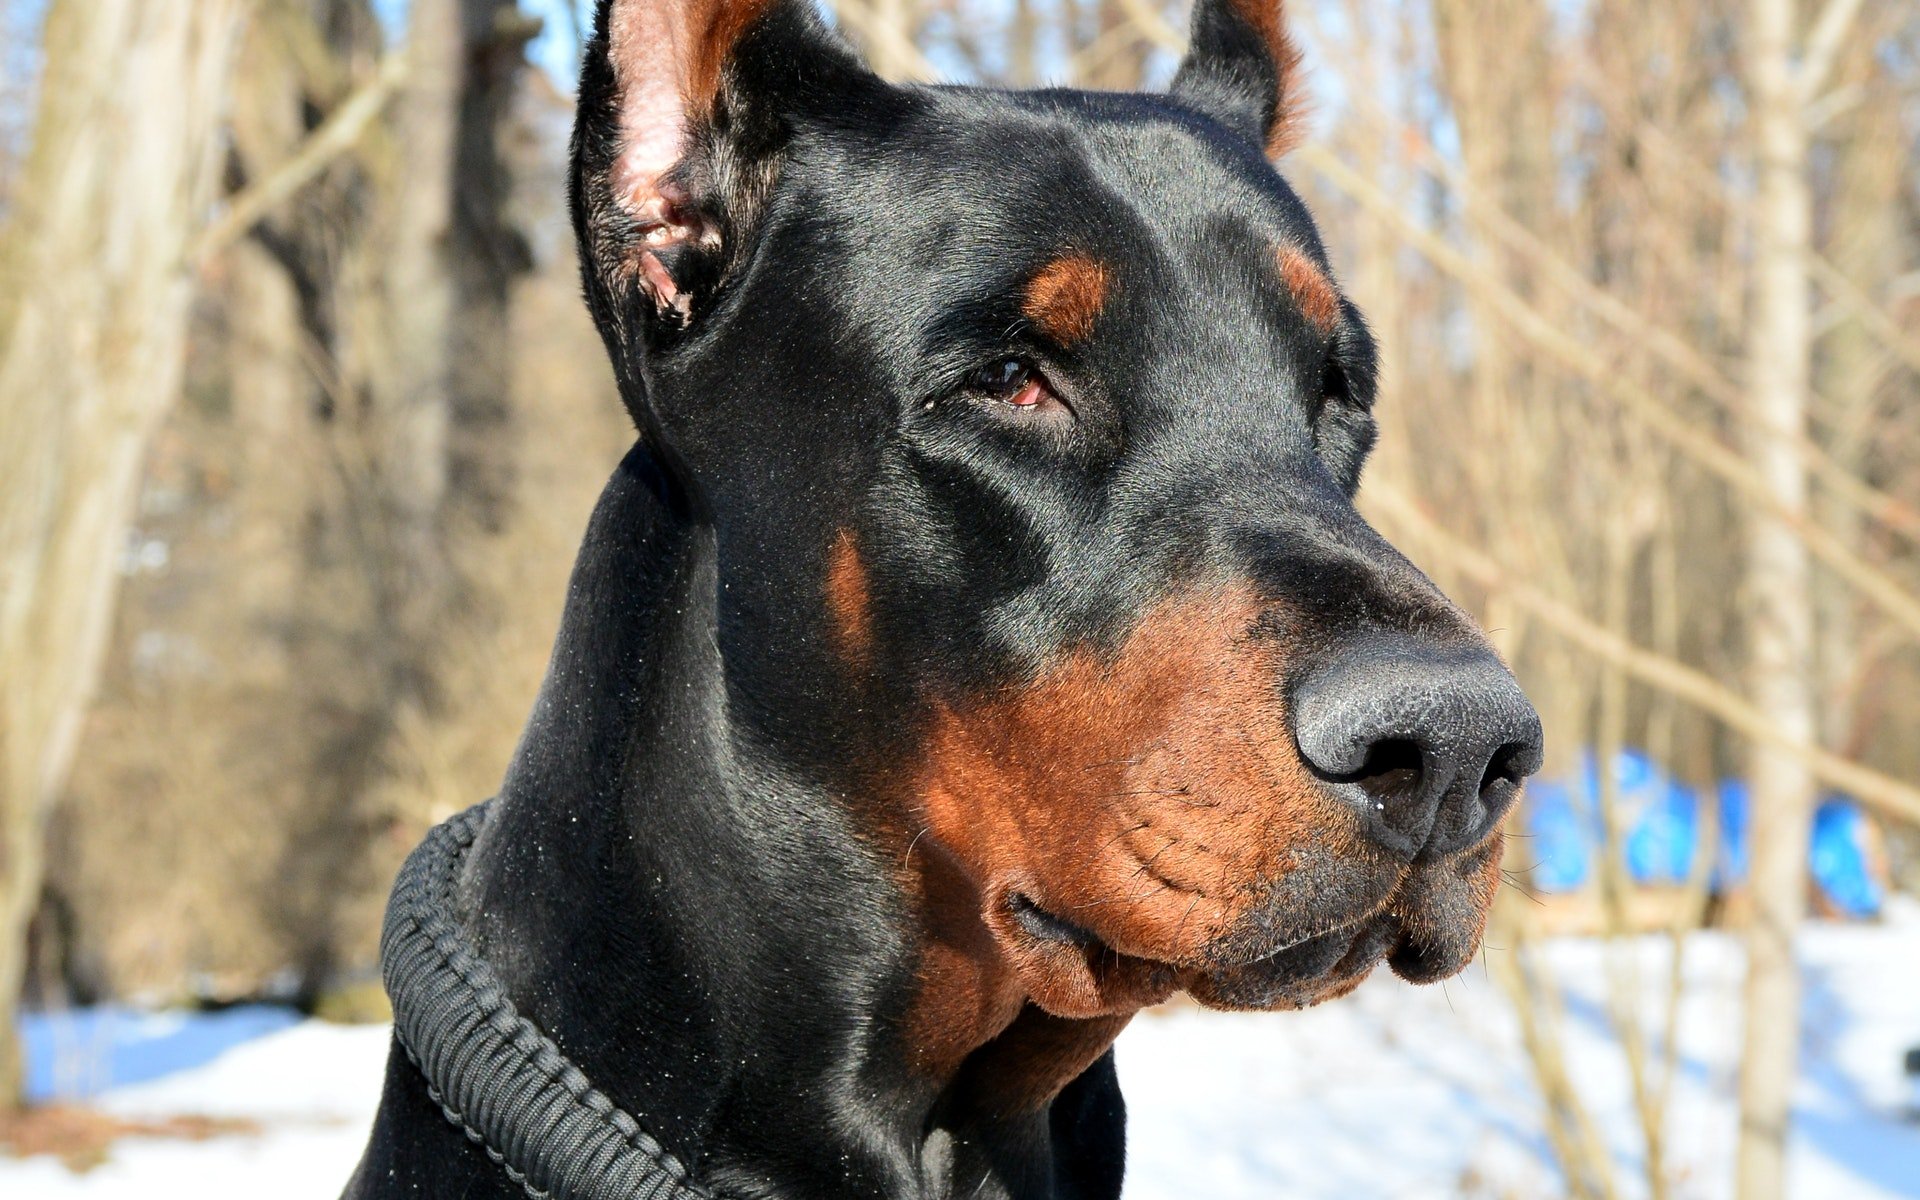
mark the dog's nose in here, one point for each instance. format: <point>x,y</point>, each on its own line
<point>1432,741</point>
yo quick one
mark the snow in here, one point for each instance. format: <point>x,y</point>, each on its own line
<point>1395,1092</point>
<point>1424,1092</point>
<point>311,1089</point>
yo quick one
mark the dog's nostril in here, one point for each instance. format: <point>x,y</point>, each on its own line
<point>1500,783</point>
<point>1391,774</point>
<point>1509,766</point>
<point>1433,741</point>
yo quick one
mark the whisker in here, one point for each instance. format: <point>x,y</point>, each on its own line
<point>1182,927</point>
<point>1159,885</point>
<point>1146,864</point>
<point>1123,833</point>
<point>1523,891</point>
<point>1183,794</point>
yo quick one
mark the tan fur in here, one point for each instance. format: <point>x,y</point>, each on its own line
<point>1148,799</point>
<point>1310,288</point>
<point>1065,298</point>
<point>726,22</point>
<point>684,43</point>
<point>849,602</point>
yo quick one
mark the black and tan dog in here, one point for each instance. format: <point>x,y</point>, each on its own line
<point>980,644</point>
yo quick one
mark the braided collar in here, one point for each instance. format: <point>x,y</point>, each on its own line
<point>491,1071</point>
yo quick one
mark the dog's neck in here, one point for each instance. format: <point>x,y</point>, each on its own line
<point>708,938</point>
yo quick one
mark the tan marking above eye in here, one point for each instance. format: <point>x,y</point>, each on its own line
<point>849,602</point>
<point>1310,288</point>
<point>1066,297</point>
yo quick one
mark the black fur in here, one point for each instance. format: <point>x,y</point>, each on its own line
<point>677,886</point>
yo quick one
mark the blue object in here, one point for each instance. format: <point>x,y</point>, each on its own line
<point>1841,858</point>
<point>1662,844</point>
<point>1736,824</point>
<point>1661,824</point>
<point>78,1053</point>
<point>1561,837</point>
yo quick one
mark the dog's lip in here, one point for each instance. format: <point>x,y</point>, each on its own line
<point>1042,925</point>
<point>1323,967</point>
<point>1344,926</point>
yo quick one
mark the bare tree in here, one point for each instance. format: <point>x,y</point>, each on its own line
<point>94,290</point>
<point>419,456</point>
<point>1780,631</point>
<point>454,254</point>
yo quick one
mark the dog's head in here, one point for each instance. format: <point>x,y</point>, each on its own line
<point>1028,425</point>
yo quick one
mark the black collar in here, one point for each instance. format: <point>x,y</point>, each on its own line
<point>491,1071</point>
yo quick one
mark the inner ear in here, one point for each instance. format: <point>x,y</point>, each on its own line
<point>666,57</point>
<point>1243,70</point>
<point>685,107</point>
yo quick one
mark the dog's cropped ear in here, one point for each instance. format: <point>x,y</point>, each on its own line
<point>685,110</point>
<point>1243,70</point>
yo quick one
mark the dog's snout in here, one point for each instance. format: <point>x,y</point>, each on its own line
<point>1432,741</point>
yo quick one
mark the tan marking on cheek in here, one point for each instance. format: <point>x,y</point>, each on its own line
<point>1066,297</point>
<point>1310,288</point>
<point>1269,20</point>
<point>850,602</point>
<point>967,994</point>
<point>1150,799</point>
<point>1150,796</point>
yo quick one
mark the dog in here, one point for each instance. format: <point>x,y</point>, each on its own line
<point>980,644</point>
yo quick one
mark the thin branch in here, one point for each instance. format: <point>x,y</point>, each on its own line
<point>1824,42</point>
<point>1708,184</point>
<point>1846,486</point>
<point>1153,25</point>
<point>1653,412</point>
<point>1870,314</point>
<point>338,134</point>
<point>1890,796</point>
<point>913,66</point>
<point>1696,368</point>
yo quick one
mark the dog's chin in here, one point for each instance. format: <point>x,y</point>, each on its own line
<point>1428,929</point>
<point>1304,974</point>
<point>1425,922</point>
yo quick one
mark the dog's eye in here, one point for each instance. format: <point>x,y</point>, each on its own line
<point>1015,383</point>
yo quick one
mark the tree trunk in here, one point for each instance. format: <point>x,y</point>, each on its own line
<point>455,255</point>
<point>490,255</point>
<point>888,42</point>
<point>1779,593</point>
<point>297,360</point>
<point>419,288</point>
<point>430,451</point>
<point>96,287</point>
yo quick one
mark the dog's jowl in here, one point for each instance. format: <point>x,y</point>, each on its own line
<point>979,645</point>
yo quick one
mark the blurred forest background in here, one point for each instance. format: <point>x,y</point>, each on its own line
<point>301,417</point>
